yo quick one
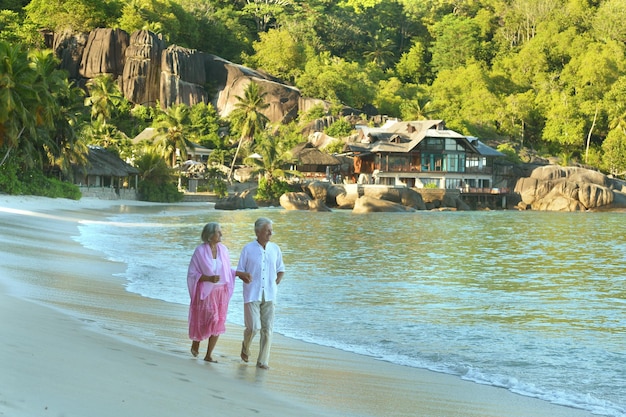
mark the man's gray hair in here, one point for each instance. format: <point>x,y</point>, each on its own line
<point>260,222</point>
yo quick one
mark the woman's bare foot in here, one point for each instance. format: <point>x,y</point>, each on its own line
<point>194,348</point>
<point>210,359</point>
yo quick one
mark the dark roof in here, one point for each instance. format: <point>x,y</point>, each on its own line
<point>307,154</point>
<point>105,163</point>
<point>484,149</point>
<point>403,137</point>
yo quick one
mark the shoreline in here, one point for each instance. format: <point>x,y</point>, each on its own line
<point>112,332</point>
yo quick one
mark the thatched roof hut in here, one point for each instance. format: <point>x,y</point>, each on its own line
<point>104,163</point>
<point>103,169</point>
<point>306,154</point>
<point>312,162</point>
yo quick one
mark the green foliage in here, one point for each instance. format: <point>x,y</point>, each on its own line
<point>411,66</point>
<point>9,178</point>
<point>159,193</point>
<point>336,146</point>
<point>614,147</point>
<point>457,43</point>
<point>337,80</point>
<point>270,191</point>
<point>157,181</point>
<point>13,29</point>
<point>509,152</point>
<point>165,17</point>
<point>217,186</point>
<point>279,54</point>
<point>339,129</point>
<point>544,74</point>
<point>204,126</point>
<point>75,15</point>
<point>316,112</point>
<point>16,181</point>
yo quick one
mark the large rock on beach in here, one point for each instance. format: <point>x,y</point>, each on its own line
<point>401,195</point>
<point>556,188</point>
<point>238,201</point>
<point>295,201</point>
<point>367,204</point>
<point>302,201</point>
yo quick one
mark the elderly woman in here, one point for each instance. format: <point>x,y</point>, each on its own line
<point>210,280</point>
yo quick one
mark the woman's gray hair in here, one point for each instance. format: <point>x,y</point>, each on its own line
<point>209,231</point>
<point>260,223</point>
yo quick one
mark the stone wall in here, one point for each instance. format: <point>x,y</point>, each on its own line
<point>108,193</point>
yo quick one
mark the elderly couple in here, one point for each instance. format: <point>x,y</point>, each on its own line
<point>211,280</point>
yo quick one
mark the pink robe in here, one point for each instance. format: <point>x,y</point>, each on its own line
<point>209,301</point>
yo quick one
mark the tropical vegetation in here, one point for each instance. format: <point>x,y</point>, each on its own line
<point>537,77</point>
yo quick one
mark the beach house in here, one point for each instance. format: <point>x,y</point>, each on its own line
<point>422,154</point>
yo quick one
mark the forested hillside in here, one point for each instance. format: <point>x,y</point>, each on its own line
<point>549,75</point>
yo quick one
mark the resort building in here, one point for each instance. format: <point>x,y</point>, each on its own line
<point>422,154</point>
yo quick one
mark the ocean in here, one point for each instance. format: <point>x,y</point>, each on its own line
<point>532,302</point>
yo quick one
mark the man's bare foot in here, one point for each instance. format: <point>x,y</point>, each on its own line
<point>194,348</point>
<point>210,359</point>
<point>244,357</point>
<point>262,366</point>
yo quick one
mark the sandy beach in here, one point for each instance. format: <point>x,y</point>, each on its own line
<point>75,343</point>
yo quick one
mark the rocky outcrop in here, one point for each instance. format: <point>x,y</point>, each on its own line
<point>104,53</point>
<point>182,77</point>
<point>232,79</point>
<point>405,196</point>
<point>368,204</point>
<point>295,201</point>
<point>302,201</point>
<point>148,71</point>
<point>556,188</point>
<point>69,48</point>
<point>142,68</point>
<point>238,201</point>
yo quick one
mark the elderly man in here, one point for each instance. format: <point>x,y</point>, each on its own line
<point>263,260</point>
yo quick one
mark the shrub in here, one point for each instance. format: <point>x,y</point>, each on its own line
<point>159,193</point>
<point>340,128</point>
<point>270,191</point>
<point>33,182</point>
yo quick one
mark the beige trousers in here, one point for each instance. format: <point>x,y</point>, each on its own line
<point>259,316</point>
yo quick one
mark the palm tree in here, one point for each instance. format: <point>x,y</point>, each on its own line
<point>29,84</point>
<point>171,126</point>
<point>17,97</point>
<point>274,157</point>
<point>248,115</point>
<point>380,51</point>
<point>104,97</point>
<point>61,144</point>
<point>416,109</point>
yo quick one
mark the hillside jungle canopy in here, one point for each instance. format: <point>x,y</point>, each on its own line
<point>543,74</point>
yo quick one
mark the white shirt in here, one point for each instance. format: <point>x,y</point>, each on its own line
<point>263,266</point>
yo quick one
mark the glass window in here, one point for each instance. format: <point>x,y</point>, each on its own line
<point>453,145</point>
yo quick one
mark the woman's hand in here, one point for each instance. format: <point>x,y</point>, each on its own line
<point>244,276</point>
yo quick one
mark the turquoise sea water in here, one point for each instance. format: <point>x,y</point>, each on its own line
<point>532,302</point>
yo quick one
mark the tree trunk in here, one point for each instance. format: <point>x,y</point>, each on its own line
<point>595,116</point>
